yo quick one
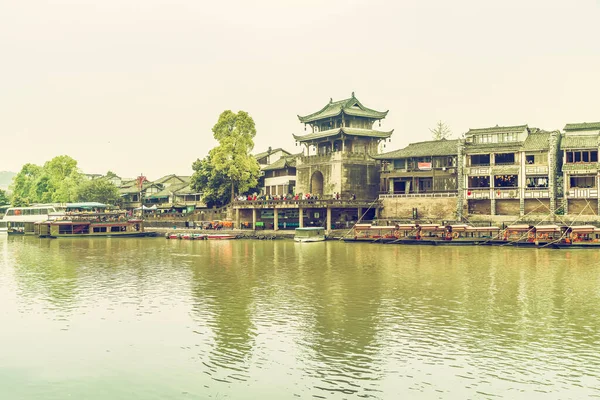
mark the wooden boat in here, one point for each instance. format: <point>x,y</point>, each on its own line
<point>220,236</point>
<point>309,234</point>
<point>90,224</point>
<point>371,233</point>
<point>580,236</point>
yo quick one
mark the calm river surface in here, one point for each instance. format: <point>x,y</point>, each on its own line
<point>166,319</point>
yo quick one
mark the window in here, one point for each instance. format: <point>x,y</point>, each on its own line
<point>115,229</point>
<point>530,159</point>
<point>400,164</point>
<point>506,181</point>
<point>480,159</point>
<point>479,181</point>
<point>98,229</point>
<point>583,182</point>
<point>505,158</point>
<point>582,156</point>
<point>508,137</point>
<point>537,182</point>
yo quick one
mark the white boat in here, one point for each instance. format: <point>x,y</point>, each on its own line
<point>311,234</point>
<point>20,220</point>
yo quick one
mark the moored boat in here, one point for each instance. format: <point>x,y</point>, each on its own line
<point>309,234</point>
<point>92,224</point>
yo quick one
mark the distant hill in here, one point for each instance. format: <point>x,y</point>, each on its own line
<point>6,179</point>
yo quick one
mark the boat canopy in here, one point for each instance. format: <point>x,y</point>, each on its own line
<point>547,228</point>
<point>583,229</point>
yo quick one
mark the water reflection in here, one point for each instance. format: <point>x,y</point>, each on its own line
<point>254,319</point>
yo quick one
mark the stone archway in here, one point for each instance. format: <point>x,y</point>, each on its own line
<point>316,184</point>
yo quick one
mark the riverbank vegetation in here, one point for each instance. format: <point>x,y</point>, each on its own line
<point>59,181</point>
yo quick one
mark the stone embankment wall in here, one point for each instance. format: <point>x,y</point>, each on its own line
<point>439,208</point>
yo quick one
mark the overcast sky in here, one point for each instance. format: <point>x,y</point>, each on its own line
<point>135,86</point>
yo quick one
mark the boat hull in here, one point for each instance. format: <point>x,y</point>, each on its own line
<point>309,240</point>
<point>103,235</point>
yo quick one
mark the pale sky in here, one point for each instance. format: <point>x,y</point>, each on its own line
<point>135,86</point>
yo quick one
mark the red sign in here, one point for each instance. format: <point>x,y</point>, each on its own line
<point>424,166</point>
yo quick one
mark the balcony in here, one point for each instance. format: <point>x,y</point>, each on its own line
<point>478,193</point>
<point>413,195</point>
<point>537,193</point>
<point>582,193</point>
<point>536,169</point>
<point>505,193</point>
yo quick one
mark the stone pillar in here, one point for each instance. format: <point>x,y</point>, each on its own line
<point>460,180</point>
<point>237,219</point>
<point>553,150</point>
<point>492,195</point>
<point>328,229</point>
<point>254,218</point>
<point>300,217</point>
<point>275,219</point>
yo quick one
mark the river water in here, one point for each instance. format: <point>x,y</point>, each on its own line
<point>167,319</point>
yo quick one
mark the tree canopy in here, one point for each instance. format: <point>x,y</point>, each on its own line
<point>100,190</point>
<point>229,168</point>
<point>56,182</point>
<point>441,131</point>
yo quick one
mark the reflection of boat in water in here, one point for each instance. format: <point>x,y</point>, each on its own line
<point>309,234</point>
<point>92,224</point>
<point>522,235</point>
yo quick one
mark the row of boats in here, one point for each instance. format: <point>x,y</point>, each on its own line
<point>521,235</point>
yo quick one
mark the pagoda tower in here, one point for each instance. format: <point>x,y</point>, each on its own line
<point>338,150</point>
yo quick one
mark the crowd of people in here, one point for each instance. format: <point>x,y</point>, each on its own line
<point>294,197</point>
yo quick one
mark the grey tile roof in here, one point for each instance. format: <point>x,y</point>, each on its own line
<point>283,162</point>
<point>579,142</point>
<point>536,141</point>
<point>498,129</point>
<point>266,153</point>
<point>582,126</point>
<point>422,149</point>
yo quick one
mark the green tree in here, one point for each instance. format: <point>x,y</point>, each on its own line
<point>24,188</point>
<point>18,201</point>
<point>230,163</point>
<point>214,186</point>
<point>56,181</point>
<point>100,190</point>
<point>63,179</point>
<point>3,198</point>
<point>441,131</point>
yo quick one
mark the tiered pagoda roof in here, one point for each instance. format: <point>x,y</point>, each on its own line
<point>370,133</point>
<point>349,106</point>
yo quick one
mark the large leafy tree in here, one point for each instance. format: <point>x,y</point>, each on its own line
<point>56,181</point>
<point>63,178</point>
<point>24,188</point>
<point>229,168</point>
<point>100,190</point>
